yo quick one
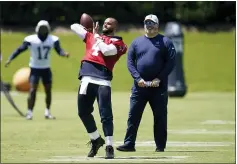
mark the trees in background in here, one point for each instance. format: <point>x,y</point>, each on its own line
<point>63,12</point>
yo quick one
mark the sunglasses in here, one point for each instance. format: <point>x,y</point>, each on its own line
<point>149,23</point>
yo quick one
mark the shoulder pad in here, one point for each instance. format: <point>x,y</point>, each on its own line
<point>31,38</point>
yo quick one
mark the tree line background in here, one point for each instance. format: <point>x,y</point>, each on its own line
<point>198,13</point>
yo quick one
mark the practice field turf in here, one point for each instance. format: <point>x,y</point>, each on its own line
<point>201,129</point>
<point>209,61</point>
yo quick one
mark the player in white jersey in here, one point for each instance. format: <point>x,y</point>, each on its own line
<point>40,45</point>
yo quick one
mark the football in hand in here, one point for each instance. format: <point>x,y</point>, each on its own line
<point>87,22</point>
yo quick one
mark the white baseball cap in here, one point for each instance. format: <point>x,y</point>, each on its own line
<point>152,18</point>
<point>42,23</point>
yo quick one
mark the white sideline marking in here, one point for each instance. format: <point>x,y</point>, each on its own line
<point>139,158</point>
<point>116,159</point>
<point>201,131</point>
<point>218,122</point>
<point>181,144</point>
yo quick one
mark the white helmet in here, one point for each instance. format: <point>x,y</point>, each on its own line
<point>42,23</point>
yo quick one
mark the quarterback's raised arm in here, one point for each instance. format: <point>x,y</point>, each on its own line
<point>79,30</point>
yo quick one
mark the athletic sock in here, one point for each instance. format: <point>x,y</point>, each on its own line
<point>109,140</point>
<point>29,112</point>
<point>94,135</point>
<point>46,113</point>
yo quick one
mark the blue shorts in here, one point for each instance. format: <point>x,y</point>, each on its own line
<point>37,74</point>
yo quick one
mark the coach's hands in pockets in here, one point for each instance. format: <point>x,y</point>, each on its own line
<point>141,83</point>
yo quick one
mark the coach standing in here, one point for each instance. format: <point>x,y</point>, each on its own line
<point>150,60</point>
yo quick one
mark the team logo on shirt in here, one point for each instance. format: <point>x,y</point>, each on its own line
<point>157,44</point>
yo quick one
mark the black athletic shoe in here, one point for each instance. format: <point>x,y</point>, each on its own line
<point>95,145</point>
<point>126,148</point>
<point>109,152</point>
<point>159,150</point>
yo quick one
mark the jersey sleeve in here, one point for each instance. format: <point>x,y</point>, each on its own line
<point>121,47</point>
<point>169,59</point>
<point>55,38</point>
<point>80,31</point>
<point>29,39</point>
<point>131,62</point>
<point>87,37</point>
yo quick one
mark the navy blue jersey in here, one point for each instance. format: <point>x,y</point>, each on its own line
<point>150,58</point>
<point>92,69</point>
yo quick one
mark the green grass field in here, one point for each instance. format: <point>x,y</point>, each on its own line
<point>209,64</point>
<point>64,139</point>
<point>209,61</point>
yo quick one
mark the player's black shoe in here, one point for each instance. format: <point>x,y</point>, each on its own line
<point>95,145</point>
<point>159,150</point>
<point>109,152</point>
<point>126,148</point>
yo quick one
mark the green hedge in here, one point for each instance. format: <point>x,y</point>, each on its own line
<point>62,12</point>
